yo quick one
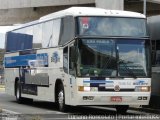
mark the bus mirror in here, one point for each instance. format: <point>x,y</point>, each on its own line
<point>73,53</point>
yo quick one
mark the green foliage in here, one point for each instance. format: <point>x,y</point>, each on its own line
<point>1,57</point>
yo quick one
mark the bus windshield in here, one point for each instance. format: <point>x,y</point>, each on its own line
<point>113,58</point>
<point>112,26</point>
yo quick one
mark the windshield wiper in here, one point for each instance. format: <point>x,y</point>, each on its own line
<point>129,71</point>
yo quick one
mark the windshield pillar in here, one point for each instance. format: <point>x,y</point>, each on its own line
<point>73,56</point>
<point>117,58</point>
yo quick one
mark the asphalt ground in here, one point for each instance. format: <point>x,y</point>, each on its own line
<point>139,110</point>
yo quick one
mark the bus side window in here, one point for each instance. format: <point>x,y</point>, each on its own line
<point>37,36</point>
<point>67,30</point>
<point>47,36</point>
<point>65,59</point>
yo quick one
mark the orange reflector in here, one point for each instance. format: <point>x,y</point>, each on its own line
<point>80,88</point>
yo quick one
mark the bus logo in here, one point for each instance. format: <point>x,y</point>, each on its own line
<point>55,57</point>
<point>117,88</point>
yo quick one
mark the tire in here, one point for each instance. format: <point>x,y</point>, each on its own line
<point>61,98</point>
<point>19,99</point>
<point>122,109</point>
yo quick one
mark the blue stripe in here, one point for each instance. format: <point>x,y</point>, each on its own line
<point>22,60</point>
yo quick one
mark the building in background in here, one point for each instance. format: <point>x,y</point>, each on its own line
<point>22,11</point>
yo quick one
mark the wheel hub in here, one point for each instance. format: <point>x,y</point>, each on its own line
<point>60,98</point>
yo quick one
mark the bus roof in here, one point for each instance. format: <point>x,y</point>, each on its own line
<point>91,11</point>
<point>83,11</point>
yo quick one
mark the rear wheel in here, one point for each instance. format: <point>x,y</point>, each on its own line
<point>61,98</point>
<point>18,92</point>
<point>122,109</point>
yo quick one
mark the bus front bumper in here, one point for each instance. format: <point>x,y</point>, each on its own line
<point>112,98</point>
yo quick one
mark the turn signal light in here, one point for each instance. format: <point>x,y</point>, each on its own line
<point>80,88</point>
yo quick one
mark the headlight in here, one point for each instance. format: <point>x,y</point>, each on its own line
<point>87,89</point>
<point>142,88</point>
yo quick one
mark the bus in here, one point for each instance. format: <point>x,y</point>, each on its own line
<point>154,30</point>
<point>81,56</point>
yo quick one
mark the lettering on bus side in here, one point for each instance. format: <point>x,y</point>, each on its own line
<point>55,57</point>
<point>140,82</point>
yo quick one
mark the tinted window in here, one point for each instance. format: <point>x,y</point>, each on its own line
<point>112,26</point>
<point>67,30</point>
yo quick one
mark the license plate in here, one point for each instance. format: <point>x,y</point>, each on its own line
<point>116,99</point>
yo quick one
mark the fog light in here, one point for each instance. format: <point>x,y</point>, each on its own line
<point>144,98</point>
<point>139,98</point>
<point>84,97</point>
<point>88,97</point>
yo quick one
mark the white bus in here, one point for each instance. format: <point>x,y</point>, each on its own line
<point>81,56</point>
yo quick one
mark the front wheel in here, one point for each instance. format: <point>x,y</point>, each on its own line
<point>61,98</point>
<point>122,109</point>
